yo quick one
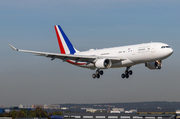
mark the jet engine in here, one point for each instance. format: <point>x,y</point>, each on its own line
<point>103,63</point>
<point>154,65</point>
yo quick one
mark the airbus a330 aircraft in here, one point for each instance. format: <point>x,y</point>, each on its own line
<point>151,54</point>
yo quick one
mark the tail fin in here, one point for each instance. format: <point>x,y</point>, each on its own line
<point>64,44</point>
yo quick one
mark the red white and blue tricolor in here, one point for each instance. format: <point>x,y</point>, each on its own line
<point>65,45</point>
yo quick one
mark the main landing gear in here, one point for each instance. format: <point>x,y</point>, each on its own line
<point>97,73</point>
<point>127,73</point>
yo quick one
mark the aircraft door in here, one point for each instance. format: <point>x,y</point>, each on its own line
<point>152,53</point>
<point>153,48</point>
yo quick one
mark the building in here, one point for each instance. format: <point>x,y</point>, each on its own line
<point>51,106</point>
<point>25,106</point>
<point>118,109</point>
<point>42,106</point>
<point>95,110</point>
<point>64,108</point>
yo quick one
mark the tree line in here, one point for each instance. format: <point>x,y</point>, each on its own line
<point>38,112</point>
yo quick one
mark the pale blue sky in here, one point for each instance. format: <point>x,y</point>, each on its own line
<point>29,24</point>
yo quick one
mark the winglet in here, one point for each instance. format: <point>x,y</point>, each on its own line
<point>13,47</point>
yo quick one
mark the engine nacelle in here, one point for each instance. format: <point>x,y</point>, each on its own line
<point>103,63</point>
<point>154,65</point>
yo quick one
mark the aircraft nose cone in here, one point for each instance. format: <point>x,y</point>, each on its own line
<point>170,51</point>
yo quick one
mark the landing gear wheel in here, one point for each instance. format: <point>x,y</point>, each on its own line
<point>97,72</point>
<point>98,75</point>
<point>130,72</point>
<point>127,75</point>
<point>126,72</point>
<point>101,72</point>
<point>94,76</point>
<point>123,75</point>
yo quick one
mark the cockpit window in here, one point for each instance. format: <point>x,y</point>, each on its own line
<point>165,47</point>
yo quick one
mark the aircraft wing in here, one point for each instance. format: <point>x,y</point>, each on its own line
<point>65,57</point>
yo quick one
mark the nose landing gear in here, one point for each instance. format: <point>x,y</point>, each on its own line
<point>127,73</point>
<point>97,74</point>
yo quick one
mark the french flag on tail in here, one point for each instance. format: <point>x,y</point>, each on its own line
<point>64,44</point>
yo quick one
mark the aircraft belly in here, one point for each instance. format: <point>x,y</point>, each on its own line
<point>124,63</point>
<point>89,66</point>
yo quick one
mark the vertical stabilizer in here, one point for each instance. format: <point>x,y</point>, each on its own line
<point>65,45</point>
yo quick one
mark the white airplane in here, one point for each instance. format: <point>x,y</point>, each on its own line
<point>151,54</point>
